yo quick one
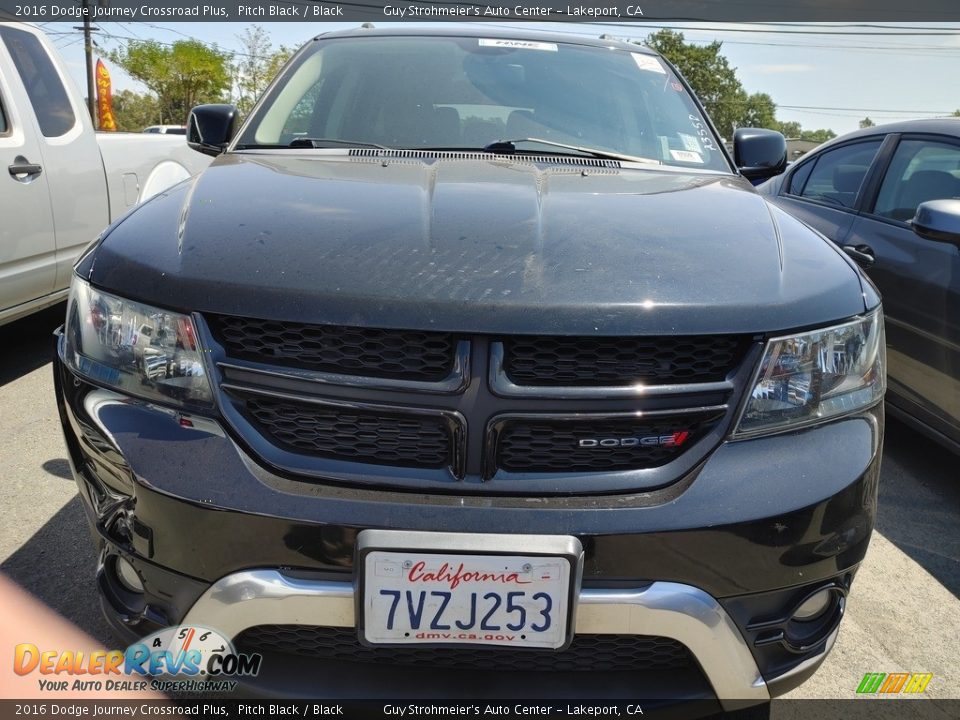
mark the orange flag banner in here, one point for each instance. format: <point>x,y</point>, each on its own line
<point>105,118</point>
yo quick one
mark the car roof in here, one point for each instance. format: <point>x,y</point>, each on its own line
<point>937,126</point>
<point>484,31</point>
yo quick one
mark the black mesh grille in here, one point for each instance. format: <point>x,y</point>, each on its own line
<point>407,440</point>
<point>400,354</point>
<point>597,361</point>
<point>596,653</point>
<point>632,444</point>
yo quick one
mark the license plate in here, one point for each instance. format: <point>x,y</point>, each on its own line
<point>415,597</point>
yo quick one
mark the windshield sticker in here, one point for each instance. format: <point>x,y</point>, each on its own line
<point>703,132</point>
<point>518,44</point>
<point>677,86</point>
<point>648,63</point>
<point>686,156</point>
<point>690,142</point>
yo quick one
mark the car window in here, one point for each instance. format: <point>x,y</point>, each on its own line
<point>837,175</point>
<point>921,170</point>
<point>3,119</point>
<point>465,93</point>
<point>799,178</point>
<point>49,98</point>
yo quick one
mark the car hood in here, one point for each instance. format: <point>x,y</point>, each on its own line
<point>475,245</point>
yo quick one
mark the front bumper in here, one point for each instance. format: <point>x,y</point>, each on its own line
<point>268,597</point>
<point>712,561</point>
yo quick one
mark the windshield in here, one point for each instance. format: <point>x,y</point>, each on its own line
<point>466,93</point>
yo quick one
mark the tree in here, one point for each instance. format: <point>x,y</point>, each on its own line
<point>817,136</point>
<point>790,129</point>
<point>867,123</point>
<point>256,67</point>
<point>182,75</point>
<point>759,111</point>
<point>710,75</point>
<point>135,111</point>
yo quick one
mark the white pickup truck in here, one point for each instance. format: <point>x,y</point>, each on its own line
<point>61,183</point>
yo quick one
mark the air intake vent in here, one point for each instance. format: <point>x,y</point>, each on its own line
<point>368,437</point>
<point>596,361</point>
<point>587,653</point>
<point>582,445</point>
<point>369,352</point>
<point>473,155</point>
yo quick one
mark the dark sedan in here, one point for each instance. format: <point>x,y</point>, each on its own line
<point>864,191</point>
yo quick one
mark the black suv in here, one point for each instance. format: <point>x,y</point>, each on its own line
<point>474,362</point>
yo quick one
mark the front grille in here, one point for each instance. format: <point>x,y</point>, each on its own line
<point>439,390</point>
<point>533,445</point>
<point>370,352</point>
<point>596,361</point>
<point>590,653</point>
<point>371,437</point>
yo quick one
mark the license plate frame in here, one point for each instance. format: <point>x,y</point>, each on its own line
<point>564,549</point>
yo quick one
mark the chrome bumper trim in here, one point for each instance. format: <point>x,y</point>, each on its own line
<point>682,612</point>
<point>809,663</point>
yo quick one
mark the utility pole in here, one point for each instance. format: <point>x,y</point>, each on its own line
<point>88,52</point>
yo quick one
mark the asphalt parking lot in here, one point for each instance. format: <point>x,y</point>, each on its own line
<point>903,615</point>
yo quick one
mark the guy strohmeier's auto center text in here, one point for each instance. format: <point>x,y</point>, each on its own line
<point>513,11</point>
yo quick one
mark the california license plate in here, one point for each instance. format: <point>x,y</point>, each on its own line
<point>416,597</point>
<point>436,597</point>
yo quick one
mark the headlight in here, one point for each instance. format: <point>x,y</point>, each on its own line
<point>136,348</point>
<point>807,378</point>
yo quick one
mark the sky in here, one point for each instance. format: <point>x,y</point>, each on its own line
<point>822,76</point>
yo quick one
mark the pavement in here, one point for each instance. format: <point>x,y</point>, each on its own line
<point>903,614</point>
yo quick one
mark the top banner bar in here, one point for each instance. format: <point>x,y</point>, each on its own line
<point>536,10</point>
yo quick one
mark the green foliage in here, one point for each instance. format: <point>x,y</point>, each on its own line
<point>182,75</point>
<point>867,123</point>
<point>256,66</point>
<point>791,130</point>
<point>759,111</point>
<point>818,136</point>
<point>134,111</point>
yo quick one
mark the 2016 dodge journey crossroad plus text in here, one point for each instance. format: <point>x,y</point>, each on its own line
<point>474,365</point>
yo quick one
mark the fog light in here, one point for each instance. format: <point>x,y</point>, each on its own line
<point>128,576</point>
<point>814,606</point>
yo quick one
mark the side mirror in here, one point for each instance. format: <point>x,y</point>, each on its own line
<point>938,220</point>
<point>759,153</point>
<point>210,128</point>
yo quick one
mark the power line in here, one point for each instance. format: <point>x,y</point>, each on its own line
<point>873,110</point>
<point>844,47</point>
<point>866,25</point>
<point>895,33</point>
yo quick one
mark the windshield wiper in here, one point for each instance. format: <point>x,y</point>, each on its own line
<point>319,143</point>
<point>509,146</point>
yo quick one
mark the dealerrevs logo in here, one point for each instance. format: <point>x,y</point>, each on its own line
<point>672,440</point>
<point>183,657</point>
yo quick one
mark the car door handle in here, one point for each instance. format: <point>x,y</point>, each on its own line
<point>863,255</point>
<point>23,170</point>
